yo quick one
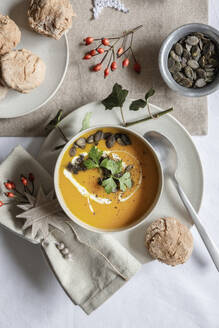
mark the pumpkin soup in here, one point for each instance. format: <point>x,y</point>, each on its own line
<point>108,178</point>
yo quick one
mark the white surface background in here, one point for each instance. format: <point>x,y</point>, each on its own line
<point>158,296</point>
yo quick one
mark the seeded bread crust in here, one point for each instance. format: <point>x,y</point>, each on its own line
<point>10,34</point>
<point>50,17</point>
<point>22,70</point>
<point>169,241</point>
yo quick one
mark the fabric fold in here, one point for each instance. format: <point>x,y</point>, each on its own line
<point>90,266</point>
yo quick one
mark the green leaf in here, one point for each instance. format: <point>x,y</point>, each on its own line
<point>125,181</point>
<point>137,104</point>
<point>114,167</point>
<point>55,121</point>
<point>90,164</point>
<point>95,154</point>
<point>149,94</point>
<point>116,98</point>
<point>86,121</point>
<point>109,185</point>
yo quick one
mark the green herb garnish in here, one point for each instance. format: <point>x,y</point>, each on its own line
<point>141,103</point>
<point>109,185</point>
<point>115,167</point>
<point>94,156</point>
<point>125,181</point>
<point>114,178</point>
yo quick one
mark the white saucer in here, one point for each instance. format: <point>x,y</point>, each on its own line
<point>189,172</point>
<point>54,53</point>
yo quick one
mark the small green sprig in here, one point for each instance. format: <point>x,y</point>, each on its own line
<point>117,99</point>
<point>54,124</point>
<point>115,177</point>
<point>142,103</point>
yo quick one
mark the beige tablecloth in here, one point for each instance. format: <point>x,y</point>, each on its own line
<point>81,86</point>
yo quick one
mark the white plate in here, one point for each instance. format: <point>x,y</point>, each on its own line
<point>189,172</point>
<point>54,53</point>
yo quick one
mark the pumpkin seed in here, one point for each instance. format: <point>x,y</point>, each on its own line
<point>171,63</point>
<point>192,40</point>
<point>202,61</point>
<point>126,140</point>
<point>189,72</point>
<point>200,83</point>
<point>81,143</point>
<point>193,63</point>
<point>174,56</point>
<point>90,139</point>
<point>186,82</point>
<point>175,68</point>
<point>178,49</point>
<point>195,51</point>
<point>188,47</point>
<point>98,136</point>
<point>200,44</point>
<point>201,73</point>
<point>110,141</point>
<point>72,151</point>
<point>186,54</point>
<point>178,77</point>
<point>183,62</point>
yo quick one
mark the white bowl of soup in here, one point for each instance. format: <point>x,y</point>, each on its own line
<point>108,179</point>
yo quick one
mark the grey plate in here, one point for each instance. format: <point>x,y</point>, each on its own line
<point>189,172</point>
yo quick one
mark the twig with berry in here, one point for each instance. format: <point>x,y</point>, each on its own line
<point>106,47</point>
<point>14,194</point>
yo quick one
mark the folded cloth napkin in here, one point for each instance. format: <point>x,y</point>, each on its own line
<point>89,266</point>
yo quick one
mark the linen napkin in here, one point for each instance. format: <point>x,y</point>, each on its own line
<point>89,266</point>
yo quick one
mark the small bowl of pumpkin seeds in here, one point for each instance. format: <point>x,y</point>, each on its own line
<point>189,60</point>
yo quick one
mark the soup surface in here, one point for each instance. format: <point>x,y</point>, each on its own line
<point>87,199</point>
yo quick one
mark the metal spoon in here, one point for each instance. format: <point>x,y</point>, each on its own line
<point>169,162</point>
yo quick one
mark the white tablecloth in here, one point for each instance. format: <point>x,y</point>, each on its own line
<point>158,296</point>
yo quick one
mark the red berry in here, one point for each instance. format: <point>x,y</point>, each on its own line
<point>8,185</point>
<point>137,67</point>
<point>1,203</point>
<point>113,66</point>
<point>97,67</point>
<point>31,177</point>
<point>88,40</point>
<point>93,52</point>
<point>106,72</point>
<point>10,194</point>
<point>125,62</point>
<point>24,180</point>
<point>87,56</point>
<point>100,50</point>
<point>120,51</point>
<point>105,42</point>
